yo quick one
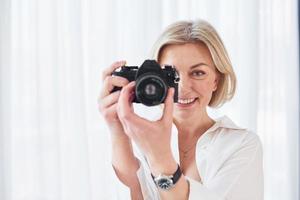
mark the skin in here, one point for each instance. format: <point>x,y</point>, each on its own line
<point>123,160</point>
<point>198,79</point>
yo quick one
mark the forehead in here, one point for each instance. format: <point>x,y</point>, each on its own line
<point>185,55</point>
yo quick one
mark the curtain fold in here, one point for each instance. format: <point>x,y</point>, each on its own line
<point>54,145</point>
<point>278,97</point>
<point>5,99</point>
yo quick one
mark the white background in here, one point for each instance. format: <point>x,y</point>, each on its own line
<point>54,144</point>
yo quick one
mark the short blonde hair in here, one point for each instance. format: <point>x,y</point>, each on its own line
<point>200,31</point>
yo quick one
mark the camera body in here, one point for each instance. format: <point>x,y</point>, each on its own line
<point>152,81</point>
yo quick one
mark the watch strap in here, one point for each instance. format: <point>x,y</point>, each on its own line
<point>175,176</point>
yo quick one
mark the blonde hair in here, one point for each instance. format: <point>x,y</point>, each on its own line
<point>200,31</point>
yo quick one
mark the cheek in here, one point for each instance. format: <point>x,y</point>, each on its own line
<point>204,88</point>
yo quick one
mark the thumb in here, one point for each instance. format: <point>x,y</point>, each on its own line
<point>168,108</point>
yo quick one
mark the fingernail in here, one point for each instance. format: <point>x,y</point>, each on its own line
<point>172,90</point>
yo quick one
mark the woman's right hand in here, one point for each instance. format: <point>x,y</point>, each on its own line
<point>123,160</point>
<point>107,101</point>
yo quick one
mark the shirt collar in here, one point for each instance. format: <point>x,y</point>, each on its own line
<point>224,122</point>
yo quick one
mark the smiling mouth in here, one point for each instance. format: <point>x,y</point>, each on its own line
<point>186,101</point>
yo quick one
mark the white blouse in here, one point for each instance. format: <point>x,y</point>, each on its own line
<point>229,161</point>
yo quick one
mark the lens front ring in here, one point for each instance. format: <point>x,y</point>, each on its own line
<point>158,91</point>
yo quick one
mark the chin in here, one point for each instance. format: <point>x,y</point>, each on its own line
<point>193,113</point>
<point>185,114</point>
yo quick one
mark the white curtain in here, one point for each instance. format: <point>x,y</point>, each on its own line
<point>53,143</point>
<point>278,97</point>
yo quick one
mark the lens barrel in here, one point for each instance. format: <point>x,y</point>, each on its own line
<point>151,89</point>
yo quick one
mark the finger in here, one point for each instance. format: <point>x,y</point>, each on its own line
<point>109,100</point>
<point>108,71</point>
<point>110,82</point>
<point>125,100</point>
<point>110,112</point>
<point>125,111</point>
<point>168,107</point>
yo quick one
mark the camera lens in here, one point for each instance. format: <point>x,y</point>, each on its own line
<point>151,89</point>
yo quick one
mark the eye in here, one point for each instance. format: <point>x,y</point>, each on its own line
<point>198,73</point>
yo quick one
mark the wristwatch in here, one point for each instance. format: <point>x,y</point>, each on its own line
<point>166,182</point>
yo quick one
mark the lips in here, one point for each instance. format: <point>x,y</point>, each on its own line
<point>186,102</point>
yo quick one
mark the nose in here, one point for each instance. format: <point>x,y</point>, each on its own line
<point>184,84</point>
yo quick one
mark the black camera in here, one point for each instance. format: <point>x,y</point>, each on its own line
<point>152,81</point>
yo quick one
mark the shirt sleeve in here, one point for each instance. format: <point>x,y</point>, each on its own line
<point>149,190</point>
<point>148,187</point>
<point>240,176</point>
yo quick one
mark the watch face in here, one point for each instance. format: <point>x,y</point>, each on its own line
<point>165,183</point>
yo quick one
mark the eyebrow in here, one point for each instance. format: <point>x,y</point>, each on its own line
<point>197,65</point>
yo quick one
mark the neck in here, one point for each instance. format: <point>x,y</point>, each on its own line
<point>193,127</point>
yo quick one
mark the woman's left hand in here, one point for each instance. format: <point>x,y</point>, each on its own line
<point>152,137</point>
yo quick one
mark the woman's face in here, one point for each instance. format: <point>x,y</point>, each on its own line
<point>198,78</point>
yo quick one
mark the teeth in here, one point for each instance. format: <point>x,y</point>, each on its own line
<point>186,101</point>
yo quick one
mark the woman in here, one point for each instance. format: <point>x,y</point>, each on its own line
<point>210,159</point>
